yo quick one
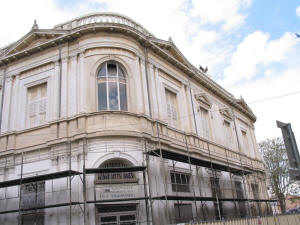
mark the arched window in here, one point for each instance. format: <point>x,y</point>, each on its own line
<point>111,87</point>
<point>119,177</point>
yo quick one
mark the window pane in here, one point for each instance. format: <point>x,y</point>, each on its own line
<point>123,97</point>
<point>102,96</point>
<point>177,178</point>
<point>183,179</point>
<point>173,178</point>
<point>108,219</point>
<point>43,89</point>
<point>121,73</point>
<point>127,217</point>
<point>111,69</point>
<point>113,96</point>
<point>102,71</point>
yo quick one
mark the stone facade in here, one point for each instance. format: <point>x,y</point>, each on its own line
<point>158,111</point>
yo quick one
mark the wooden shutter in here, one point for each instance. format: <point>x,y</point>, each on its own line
<point>37,104</point>
<point>204,123</point>
<point>171,108</point>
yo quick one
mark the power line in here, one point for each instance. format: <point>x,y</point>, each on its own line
<point>275,97</point>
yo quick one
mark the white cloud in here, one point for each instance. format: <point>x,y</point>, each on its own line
<point>274,64</point>
<point>285,109</point>
<point>17,17</point>
<point>185,21</point>
<point>205,37</point>
<point>298,11</point>
<point>163,18</point>
<point>256,51</point>
<point>220,11</point>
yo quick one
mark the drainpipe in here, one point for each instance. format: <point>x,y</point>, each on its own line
<point>2,97</point>
<point>147,80</point>
<point>195,122</point>
<point>60,81</point>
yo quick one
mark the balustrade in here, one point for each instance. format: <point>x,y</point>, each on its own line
<point>105,18</point>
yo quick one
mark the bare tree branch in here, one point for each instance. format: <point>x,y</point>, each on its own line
<point>276,162</point>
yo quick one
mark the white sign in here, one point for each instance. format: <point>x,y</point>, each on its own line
<point>117,192</point>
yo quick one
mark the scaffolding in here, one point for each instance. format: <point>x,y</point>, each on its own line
<point>205,192</point>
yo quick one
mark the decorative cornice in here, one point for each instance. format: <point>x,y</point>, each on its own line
<point>109,22</point>
<point>226,113</point>
<point>203,100</point>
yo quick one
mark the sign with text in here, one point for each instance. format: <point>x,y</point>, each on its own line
<point>118,191</point>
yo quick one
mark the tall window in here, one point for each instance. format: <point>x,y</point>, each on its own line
<point>32,196</point>
<point>171,108</point>
<point>180,182</point>
<point>245,141</point>
<point>227,134</point>
<point>111,87</point>
<point>118,177</point>
<point>37,104</point>
<point>204,123</point>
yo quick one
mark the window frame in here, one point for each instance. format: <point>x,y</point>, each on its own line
<point>203,134</point>
<point>245,139</point>
<point>174,123</point>
<point>175,184</point>
<point>117,214</point>
<point>228,133</point>
<point>27,111</point>
<point>37,215</point>
<point>108,79</point>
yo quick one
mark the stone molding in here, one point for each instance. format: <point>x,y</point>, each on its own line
<point>145,41</point>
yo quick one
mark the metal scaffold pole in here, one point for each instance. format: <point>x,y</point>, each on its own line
<point>20,189</point>
<point>200,191</point>
<point>254,197</point>
<point>146,197</point>
<point>84,180</point>
<point>164,172</point>
<point>70,181</point>
<point>191,172</point>
<point>176,187</point>
<point>149,181</point>
<point>214,183</point>
<point>232,189</point>
<point>243,173</point>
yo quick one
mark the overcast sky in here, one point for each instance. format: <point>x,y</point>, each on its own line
<point>249,46</point>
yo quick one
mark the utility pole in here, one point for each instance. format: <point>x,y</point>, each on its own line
<point>291,148</point>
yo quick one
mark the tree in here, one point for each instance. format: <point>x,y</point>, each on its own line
<point>276,161</point>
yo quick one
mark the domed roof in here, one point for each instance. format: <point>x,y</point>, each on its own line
<point>103,18</point>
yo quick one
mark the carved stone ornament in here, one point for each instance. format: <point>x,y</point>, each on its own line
<point>35,26</point>
<point>226,113</point>
<point>203,100</point>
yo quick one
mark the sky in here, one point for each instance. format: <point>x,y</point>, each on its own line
<point>249,46</point>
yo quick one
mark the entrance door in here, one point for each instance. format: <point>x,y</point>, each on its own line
<point>114,214</point>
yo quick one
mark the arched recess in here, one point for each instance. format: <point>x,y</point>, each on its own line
<point>93,90</point>
<point>113,161</point>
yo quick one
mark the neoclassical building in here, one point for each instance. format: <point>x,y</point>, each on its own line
<point>103,123</point>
